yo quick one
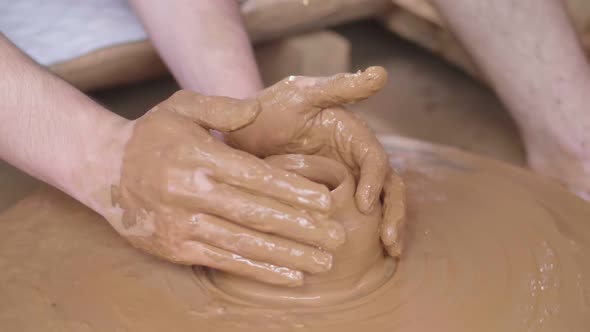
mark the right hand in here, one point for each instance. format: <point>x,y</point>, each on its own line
<point>313,122</point>
<point>190,199</point>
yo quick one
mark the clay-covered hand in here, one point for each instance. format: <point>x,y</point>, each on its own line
<point>191,199</point>
<point>304,115</point>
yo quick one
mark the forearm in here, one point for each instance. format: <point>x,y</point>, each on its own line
<point>47,128</point>
<point>529,53</point>
<point>204,44</point>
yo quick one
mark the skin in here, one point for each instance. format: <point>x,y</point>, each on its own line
<point>314,126</point>
<point>530,55</point>
<point>527,50</point>
<point>164,183</point>
<point>228,68</point>
<point>58,119</point>
<point>190,199</point>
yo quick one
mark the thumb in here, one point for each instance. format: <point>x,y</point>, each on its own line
<point>214,112</point>
<point>340,89</point>
<point>394,214</point>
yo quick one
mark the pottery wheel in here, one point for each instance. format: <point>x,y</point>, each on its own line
<point>489,248</point>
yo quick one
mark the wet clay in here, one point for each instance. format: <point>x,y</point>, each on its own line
<point>186,197</point>
<point>489,247</point>
<point>358,267</point>
<point>313,122</point>
<point>191,199</point>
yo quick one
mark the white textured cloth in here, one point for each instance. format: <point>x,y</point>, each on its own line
<point>53,31</point>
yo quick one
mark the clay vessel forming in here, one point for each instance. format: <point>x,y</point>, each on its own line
<point>359,266</point>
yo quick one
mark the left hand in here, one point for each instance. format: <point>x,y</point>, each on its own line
<point>303,115</point>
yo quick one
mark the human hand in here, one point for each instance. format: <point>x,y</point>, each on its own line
<point>303,115</point>
<point>189,198</point>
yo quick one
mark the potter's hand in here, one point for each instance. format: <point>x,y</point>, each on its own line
<point>193,200</point>
<point>303,115</point>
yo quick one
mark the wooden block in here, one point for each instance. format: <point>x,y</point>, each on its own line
<point>320,53</point>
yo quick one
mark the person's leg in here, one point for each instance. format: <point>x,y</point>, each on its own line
<point>529,53</point>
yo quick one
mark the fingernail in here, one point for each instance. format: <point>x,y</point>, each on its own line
<point>322,262</point>
<point>377,75</point>
<point>335,236</point>
<point>389,235</point>
<point>393,241</point>
<point>365,201</point>
<point>324,201</point>
<point>292,278</point>
<point>394,250</point>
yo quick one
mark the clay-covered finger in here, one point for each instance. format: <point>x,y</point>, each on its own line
<point>199,191</point>
<point>324,92</point>
<point>270,216</point>
<point>196,190</point>
<point>357,146</point>
<point>197,253</point>
<point>256,245</point>
<point>240,169</point>
<point>394,214</point>
<point>373,170</point>
<point>213,112</point>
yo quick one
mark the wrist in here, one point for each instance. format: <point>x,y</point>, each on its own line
<point>221,81</point>
<point>96,168</point>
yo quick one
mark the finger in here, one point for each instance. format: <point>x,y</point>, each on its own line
<point>357,147</point>
<point>243,170</point>
<point>394,214</point>
<point>373,170</point>
<point>258,246</point>
<point>394,250</point>
<point>214,112</point>
<point>253,211</point>
<point>269,216</point>
<point>196,253</point>
<point>336,90</point>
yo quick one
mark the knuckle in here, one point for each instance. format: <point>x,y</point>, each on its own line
<point>179,95</point>
<point>176,98</point>
<point>174,253</point>
<point>379,158</point>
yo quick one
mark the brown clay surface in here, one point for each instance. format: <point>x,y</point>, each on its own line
<point>359,266</point>
<point>489,248</point>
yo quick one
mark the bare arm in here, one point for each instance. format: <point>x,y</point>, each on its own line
<point>532,58</point>
<point>47,128</point>
<point>204,44</point>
